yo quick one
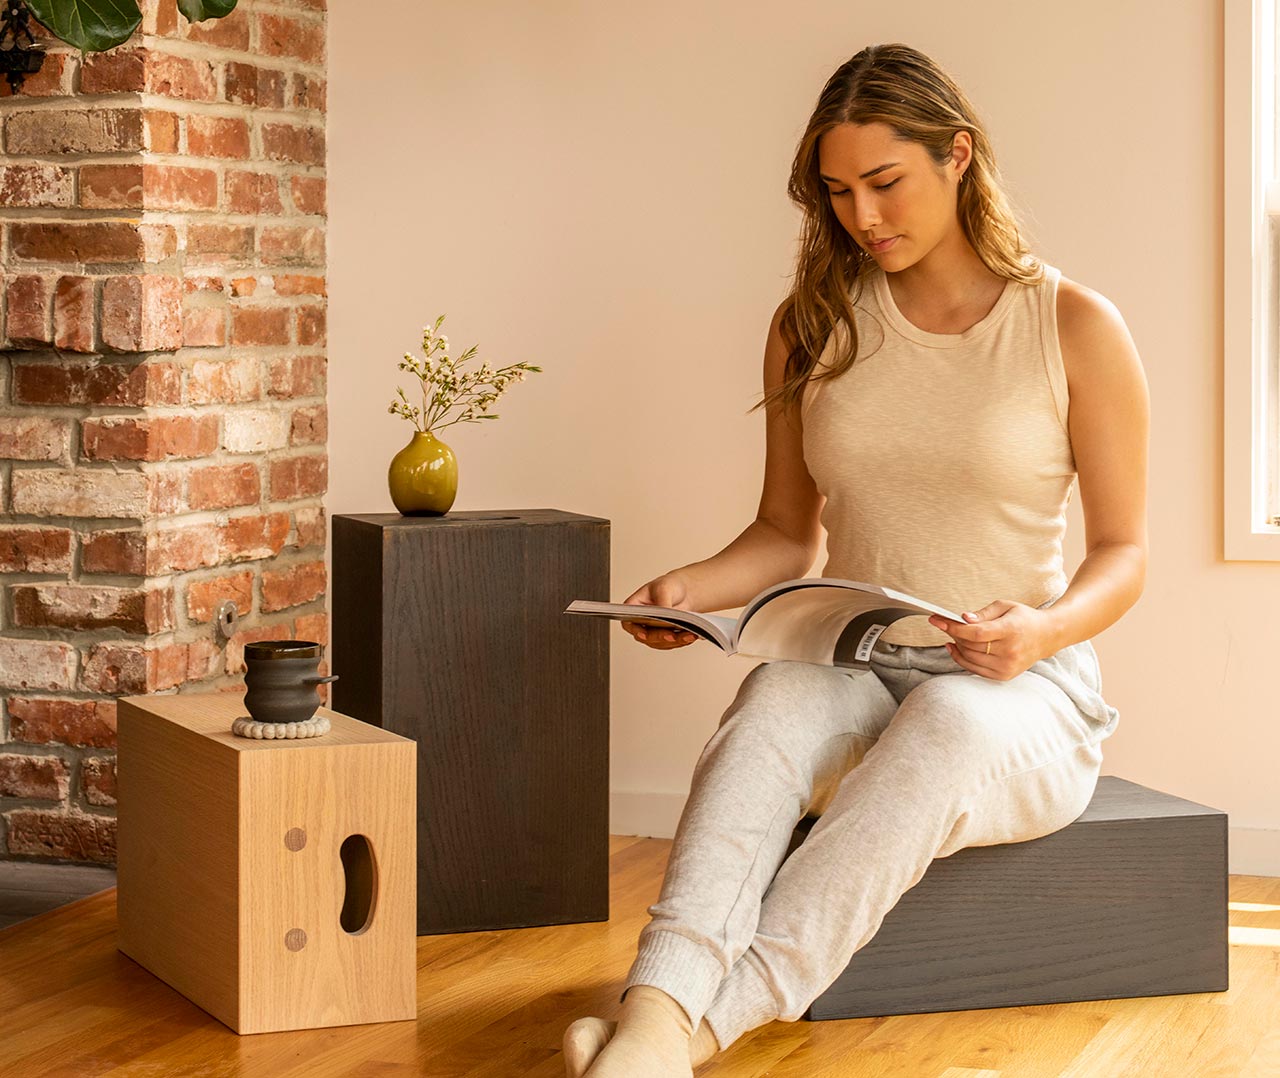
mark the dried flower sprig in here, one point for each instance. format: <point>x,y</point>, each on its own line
<point>446,386</point>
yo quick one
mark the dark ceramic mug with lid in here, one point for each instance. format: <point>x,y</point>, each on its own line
<point>281,678</point>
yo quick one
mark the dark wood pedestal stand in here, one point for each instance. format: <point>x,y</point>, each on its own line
<point>451,631</point>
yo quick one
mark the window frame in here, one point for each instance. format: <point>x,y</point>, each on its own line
<point>1251,215</point>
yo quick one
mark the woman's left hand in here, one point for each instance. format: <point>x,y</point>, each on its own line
<point>1000,641</point>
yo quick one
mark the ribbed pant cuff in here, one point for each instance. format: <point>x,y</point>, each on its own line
<point>686,970</point>
<point>743,1004</point>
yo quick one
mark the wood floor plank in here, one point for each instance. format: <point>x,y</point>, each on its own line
<point>496,1004</point>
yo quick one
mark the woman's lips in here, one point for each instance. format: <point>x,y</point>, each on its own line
<point>885,245</point>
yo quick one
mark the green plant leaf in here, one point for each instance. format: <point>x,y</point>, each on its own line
<point>89,25</point>
<point>199,10</point>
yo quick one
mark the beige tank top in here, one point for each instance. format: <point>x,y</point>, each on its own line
<point>945,458</point>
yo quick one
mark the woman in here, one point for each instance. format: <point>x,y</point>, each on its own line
<point>932,393</point>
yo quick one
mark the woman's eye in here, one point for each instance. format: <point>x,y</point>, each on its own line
<point>881,187</point>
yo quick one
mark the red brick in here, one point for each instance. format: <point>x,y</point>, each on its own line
<point>223,486</point>
<point>80,492</point>
<point>248,84</point>
<point>216,381</point>
<point>308,92</point>
<point>120,70</point>
<point>39,778</point>
<point>181,77</point>
<point>204,327</point>
<point>229,32</point>
<point>71,836</point>
<point>111,186</point>
<point>309,524</point>
<point>235,240</point>
<point>310,326</point>
<point>142,314</point>
<point>37,664</point>
<point>205,596</point>
<point>313,627</point>
<point>293,586</point>
<point>33,437</point>
<point>98,780</point>
<point>299,477</point>
<point>27,310</point>
<point>282,244</point>
<point>31,548</point>
<point>73,306</point>
<point>291,284</point>
<point>119,669</point>
<point>297,376</point>
<point>148,438</point>
<point>309,194</point>
<point>260,325</point>
<point>310,426</point>
<point>36,185</point>
<point>254,536</point>
<point>287,142</point>
<point>121,551</point>
<point>160,131</point>
<point>204,660</point>
<point>244,286</point>
<point>173,550</point>
<point>80,241</point>
<point>171,188</point>
<point>253,192</point>
<point>158,241</point>
<point>294,38</point>
<point>89,606</point>
<point>45,132</point>
<point>217,136</point>
<point>135,385</point>
<point>52,721</point>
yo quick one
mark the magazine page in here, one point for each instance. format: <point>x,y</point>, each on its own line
<point>718,630</point>
<point>873,596</point>
<point>808,625</point>
<point>825,621</point>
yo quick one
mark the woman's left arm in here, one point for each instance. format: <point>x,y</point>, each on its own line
<point>1108,421</point>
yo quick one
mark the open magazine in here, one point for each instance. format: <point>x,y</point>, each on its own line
<point>819,620</point>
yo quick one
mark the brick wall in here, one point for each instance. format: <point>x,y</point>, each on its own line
<point>162,388</point>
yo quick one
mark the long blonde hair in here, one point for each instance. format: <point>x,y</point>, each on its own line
<point>896,85</point>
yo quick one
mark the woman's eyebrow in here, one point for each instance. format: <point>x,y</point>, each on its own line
<point>865,175</point>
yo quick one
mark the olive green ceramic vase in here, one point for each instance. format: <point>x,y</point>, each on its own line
<point>423,477</point>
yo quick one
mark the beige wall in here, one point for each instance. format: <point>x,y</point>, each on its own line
<point>599,189</point>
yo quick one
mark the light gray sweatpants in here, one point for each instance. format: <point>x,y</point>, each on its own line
<point>916,759</point>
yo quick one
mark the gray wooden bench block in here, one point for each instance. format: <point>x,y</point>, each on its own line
<point>1128,900</point>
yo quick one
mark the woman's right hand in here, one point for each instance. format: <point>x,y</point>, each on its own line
<point>666,590</point>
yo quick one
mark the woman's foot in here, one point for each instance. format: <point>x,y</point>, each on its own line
<point>585,1039</point>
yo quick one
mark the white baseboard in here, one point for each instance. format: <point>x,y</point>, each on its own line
<point>637,812</point>
<point>1251,851</point>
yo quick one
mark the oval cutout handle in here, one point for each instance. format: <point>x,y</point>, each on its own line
<point>359,868</point>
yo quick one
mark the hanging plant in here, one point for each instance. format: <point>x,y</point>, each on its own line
<point>98,25</point>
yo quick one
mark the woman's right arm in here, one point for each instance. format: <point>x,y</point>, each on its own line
<point>780,544</point>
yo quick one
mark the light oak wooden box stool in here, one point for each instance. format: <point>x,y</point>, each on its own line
<point>273,883</point>
<point>1130,899</point>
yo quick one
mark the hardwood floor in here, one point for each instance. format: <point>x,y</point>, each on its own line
<point>495,1004</point>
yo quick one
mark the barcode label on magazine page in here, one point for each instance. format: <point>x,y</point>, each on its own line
<point>868,641</point>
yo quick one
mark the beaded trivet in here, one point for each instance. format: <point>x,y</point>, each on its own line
<point>267,731</point>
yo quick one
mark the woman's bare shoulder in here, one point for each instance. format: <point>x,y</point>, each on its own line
<point>1089,326</point>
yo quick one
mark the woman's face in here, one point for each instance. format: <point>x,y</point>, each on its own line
<point>881,187</point>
